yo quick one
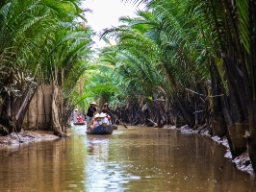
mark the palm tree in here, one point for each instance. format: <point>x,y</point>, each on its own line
<point>39,41</point>
<point>223,32</point>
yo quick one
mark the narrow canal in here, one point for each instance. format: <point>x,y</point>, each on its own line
<point>137,159</point>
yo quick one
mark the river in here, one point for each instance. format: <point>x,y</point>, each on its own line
<point>136,160</point>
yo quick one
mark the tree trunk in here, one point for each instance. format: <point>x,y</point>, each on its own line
<point>56,125</point>
<point>237,110</point>
<point>219,125</point>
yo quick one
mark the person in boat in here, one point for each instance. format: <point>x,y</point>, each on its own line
<point>95,122</point>
<point>109,119</point>
<point>75,116</point>
<point>104,119</point>
<point>80,119</point>
<point>105,108</point>
<point>91,111</point>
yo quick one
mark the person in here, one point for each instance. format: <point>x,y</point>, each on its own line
<point>80,119</point>
<point>109,119</point>
<point>104,119</point>
<point>91,111</point>
<point>95,122</point>
<point>75,116</point>
<point>105,108</point>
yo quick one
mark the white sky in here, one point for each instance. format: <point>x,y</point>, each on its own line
<point>106,13</point>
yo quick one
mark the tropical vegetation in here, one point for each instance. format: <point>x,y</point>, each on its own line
<point>185,62</point>
<point>181,62</point>
<point>42,42</point>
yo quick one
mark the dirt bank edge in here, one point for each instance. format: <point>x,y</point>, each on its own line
<point>26,137</point>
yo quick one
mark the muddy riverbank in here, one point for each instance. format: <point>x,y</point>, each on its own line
<point>242,162</point>
<point>26,137</point>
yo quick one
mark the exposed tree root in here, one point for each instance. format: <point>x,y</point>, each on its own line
<point>3,130</point>
<point>202,128</point>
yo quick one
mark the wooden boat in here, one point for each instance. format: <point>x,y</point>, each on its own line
<point>79,123</point>
<point>101,130</point>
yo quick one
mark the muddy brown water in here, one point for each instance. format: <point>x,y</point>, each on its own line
<point>137,159</point>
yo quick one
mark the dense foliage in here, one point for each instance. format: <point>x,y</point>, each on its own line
<point>186,62</point>
<point>41,42</point>
<point>178,62</point>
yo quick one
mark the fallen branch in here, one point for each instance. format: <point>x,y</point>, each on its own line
<point>134,122</point>
<point>24,135</point>
<point>203,127</point>
<point>200,111</point>
<point>189,90</point>
<point>153,122</point>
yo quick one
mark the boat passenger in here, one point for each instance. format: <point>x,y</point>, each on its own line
<point>80,119</point>
<point>105,108</point>
<point>104,119</point>
<point>91,111</point>
<point>109,119</point>
<point>95,122</point>
<point>75,116</point>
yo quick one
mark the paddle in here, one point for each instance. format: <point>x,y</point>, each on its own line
<point>117,119</point>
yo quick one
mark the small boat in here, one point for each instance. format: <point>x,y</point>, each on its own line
<point>101,130</point>
<point>79,123</point>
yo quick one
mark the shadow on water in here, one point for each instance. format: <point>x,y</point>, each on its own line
<point>137,159</point>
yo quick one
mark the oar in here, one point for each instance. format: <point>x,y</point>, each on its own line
<point>117,119</point>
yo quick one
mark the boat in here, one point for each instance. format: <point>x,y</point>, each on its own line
<point>79,123</point>
<point>101,130</point>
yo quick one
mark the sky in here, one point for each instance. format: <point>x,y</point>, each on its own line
<point>106,13</point>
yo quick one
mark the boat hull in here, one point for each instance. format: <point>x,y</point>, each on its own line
<point>101,130</point>
<point>79,123</point>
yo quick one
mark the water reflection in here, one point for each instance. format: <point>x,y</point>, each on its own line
<point>137,159</point>
<point>104,175</point>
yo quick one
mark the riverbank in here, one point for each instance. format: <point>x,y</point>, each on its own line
<point>26,137</point>
<point>242,162</point>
